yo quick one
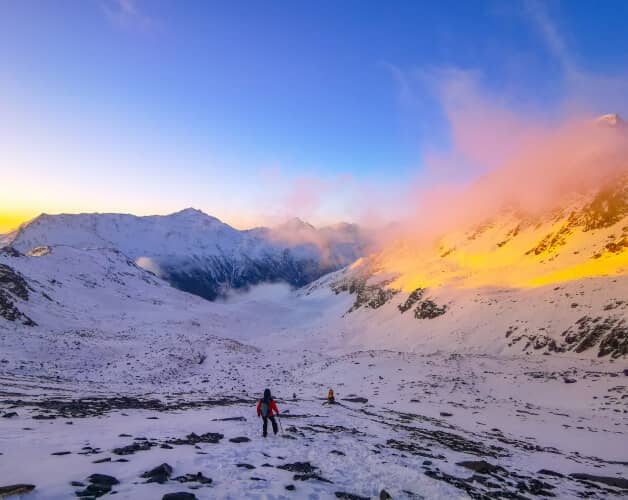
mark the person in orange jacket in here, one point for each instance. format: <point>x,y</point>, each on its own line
<point>267,409</point>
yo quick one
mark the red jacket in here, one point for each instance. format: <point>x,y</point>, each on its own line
<point>273,410</point>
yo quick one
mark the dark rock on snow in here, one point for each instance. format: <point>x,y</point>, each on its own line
<point>100,484</point>
<point>303,467</point>
<point>617,482</point>
<point>480,466</point>
<point>180,495</point>
<point>16,489</point>
<point>159,474</point>
<point>240,439</point>
<point>349,496</point>
<point>194,478</point>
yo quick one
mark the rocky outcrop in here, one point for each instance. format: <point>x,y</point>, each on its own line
<point>13,287</point>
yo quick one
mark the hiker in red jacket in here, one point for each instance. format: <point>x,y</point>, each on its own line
<point>267,409</point>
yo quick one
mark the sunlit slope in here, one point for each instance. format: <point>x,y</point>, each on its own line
<point>587,237</point>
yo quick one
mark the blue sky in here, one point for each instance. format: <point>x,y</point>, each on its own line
<point>254,110</point>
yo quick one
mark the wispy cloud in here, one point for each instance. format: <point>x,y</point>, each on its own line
<point>128,14</point>
<point>540,18</point>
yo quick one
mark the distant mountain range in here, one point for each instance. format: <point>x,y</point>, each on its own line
<point>200,254</point>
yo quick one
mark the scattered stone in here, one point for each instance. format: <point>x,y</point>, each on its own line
<point>568,380</point>
<point>194,478</point>
<point>208,437</point>
<point>103,479</point>
<point>77,484</point>
<point>229,419</point>
<point>349,496</point>
<point>245,466</point>
<point>16,489</point>
<point>44,417</point>
<point>480,466</point>
<point>337,452</point>
<point>290,487</point>
<point>124,435</point>
<point>101,484</point>
<point>165,446</point>
<point>303,467</point>
<point>384,495</point>
<point>61,453</point>
<point>179,495</point>
<point>307,477</point>
<point>446,414</point>
<point>159,474</point>
<point>132,448</point>
<point>239,439</point>
<point>102,460</point>
<point>11,414</point>
<point>617,482</point>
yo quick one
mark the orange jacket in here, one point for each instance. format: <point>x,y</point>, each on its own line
<point>273,410</point>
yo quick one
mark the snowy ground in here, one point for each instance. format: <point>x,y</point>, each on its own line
<point>159,365</point>
<point>424,415</point>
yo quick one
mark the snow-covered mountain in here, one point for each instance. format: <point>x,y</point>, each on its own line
<point>199,253</point>
<point>555,282</point>
<point>485,362</point>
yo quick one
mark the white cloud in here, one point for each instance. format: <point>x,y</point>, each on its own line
<point>128,14</point>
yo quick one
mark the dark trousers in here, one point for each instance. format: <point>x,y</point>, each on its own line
<point>272,421</point>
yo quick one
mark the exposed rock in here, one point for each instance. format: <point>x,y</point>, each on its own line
<point>617,482</point>
<point>192,439</point>
<point>159,474</point>
<point>428,309</point>
<point>132,448</point>
<point>412,299</point>
<point>304,467</point>
<point>179,495</point>
<point>480,466</point>
<point>103,479</point>
<point>239,439</point>
<point>307,477</point>
<point>10,414</point>
<point>349,496</point>
<point>194,478</point>
<point>16,489</point>
<point>100,484</point>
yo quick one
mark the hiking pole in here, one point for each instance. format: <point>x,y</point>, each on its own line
<point>280,426</point>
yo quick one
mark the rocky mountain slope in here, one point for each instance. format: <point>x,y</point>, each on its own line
<point>200,254</point>
<point>550,283</point>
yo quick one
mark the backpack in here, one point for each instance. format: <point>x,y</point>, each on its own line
<point>265,408</point>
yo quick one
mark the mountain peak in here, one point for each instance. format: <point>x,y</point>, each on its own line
<point>295,224</point>
<point>190,212</point>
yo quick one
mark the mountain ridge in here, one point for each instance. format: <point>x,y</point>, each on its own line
<point>199,253</point>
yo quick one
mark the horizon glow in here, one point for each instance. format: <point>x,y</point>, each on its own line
<point>257,113</point>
